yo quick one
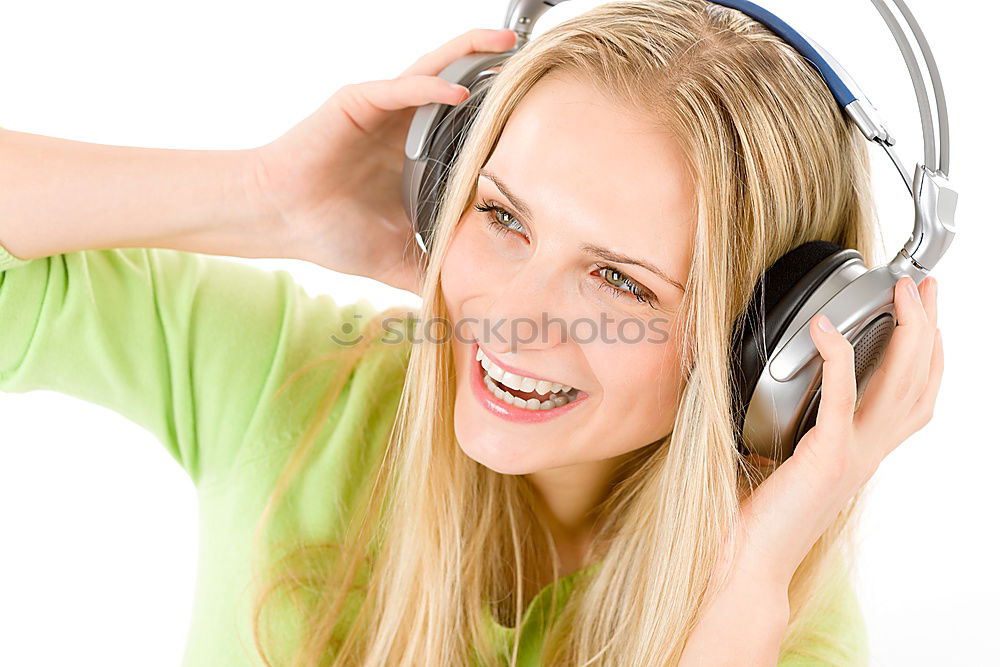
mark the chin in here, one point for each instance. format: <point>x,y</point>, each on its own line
<point>494,457</point>
<point>490,449</point>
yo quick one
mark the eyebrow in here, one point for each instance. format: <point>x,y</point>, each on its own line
<point>514,199</point>
<point>598,251</point>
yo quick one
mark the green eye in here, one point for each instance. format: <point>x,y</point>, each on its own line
<point>506,223</point>
<point>618,284</point>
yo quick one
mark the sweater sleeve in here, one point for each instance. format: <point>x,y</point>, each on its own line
<point>186,345</point>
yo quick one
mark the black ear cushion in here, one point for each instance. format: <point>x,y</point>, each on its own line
<point>777,297</point>
<point>443,148</point>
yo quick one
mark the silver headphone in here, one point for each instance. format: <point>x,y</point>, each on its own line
<point>776,369</point>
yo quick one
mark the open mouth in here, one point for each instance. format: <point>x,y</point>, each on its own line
<point>524,392</point>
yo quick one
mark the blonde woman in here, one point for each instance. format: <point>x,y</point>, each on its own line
<point>363,499</point>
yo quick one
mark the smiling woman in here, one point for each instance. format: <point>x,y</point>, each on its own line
<point>623,192</point>
<point>630,164</point>
<point>572,496</point>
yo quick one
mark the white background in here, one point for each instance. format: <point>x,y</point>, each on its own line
<point>97,564</point>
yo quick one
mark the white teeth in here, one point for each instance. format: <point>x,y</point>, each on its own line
<point>511,380</point>
<point>518,382</point>
<point>531,403</point>
<point>495,372</point>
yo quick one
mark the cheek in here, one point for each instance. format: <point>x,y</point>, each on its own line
<point>463,280</point>
<point>469,265</point>
<point>454,268</point>
<point>641,383</point>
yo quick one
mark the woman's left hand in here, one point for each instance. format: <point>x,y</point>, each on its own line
<point>788,512</point>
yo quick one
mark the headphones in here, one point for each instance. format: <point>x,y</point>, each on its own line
<point>776,371</point>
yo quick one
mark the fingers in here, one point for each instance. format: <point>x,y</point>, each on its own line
<point>902,373</point>
<point>477,40</point>
<point>928,300</point>
<point>838,392</point>
<point>928,289</point>
<point>923,408</point>
<point>365,103</point>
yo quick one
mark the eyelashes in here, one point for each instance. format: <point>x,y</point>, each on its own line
<point>620,286</point>
<point>638,293</point>
<point>500,228</point>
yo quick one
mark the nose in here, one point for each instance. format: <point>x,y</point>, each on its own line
<point>527,311</point>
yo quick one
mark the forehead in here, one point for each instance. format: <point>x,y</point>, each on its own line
<point>598,169</point>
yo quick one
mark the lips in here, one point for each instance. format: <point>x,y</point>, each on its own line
<point>515,378</point>
<point>506,411</point>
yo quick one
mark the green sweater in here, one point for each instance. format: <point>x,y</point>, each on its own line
<point>192,347</point>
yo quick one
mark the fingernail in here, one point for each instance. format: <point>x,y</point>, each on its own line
<point>912,288</point>
<point>934,287</point>
<point>825,324</point>
<point>456,86</point>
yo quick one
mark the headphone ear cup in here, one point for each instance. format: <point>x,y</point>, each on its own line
<point>777,298</point>
<point>870,345</point>
<point>445,144</point>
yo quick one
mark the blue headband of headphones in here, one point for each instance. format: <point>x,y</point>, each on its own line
<point>850,96</point>
<point>523,14</point>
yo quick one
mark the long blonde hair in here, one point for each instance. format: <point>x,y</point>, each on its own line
<point>437,535</point>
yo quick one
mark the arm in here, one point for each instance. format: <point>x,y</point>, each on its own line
<point>190,347</point>
<point>327,191</point>
<point>747,625</point>
<point>789,511</point>
<point>59,196</point>
<point>743,626</point>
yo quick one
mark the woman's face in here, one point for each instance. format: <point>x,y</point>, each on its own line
<point>593,228</point>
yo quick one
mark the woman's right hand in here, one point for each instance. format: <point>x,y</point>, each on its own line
<point>334,180</point>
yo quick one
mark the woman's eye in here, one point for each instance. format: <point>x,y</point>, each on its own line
<point>612,280</point>
<point>500,219</point>
<point>618,285</point>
